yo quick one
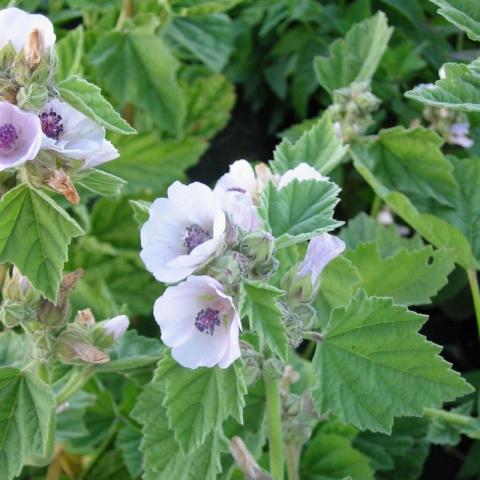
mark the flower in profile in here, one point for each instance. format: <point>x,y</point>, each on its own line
<point>20,136</point>
<point>73,135</point>
<point>458,134</point>
<point>16,26</point>
<point>116,326</point>
<point>199,322</point>
<point>303,171</point>
<point>183,233</point>
<point>239,179</point>
<point>321,250</point>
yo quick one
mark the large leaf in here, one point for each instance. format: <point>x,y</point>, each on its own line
<point>70,50</point>
<point>26,415</point>
<point>208,37</point>
<point>373,365</point>
<point>259,302</point>
<point>162,455</point>
<point>465,14</point>
<point>299,211</point>
<point>14,350</point>
<point>35,234</point>
<point>356,57</point>
<point>459,90</point>
<point>436,196</point>
<point>318,146</point>
<point>409,277</point>
<point>87,98</point>
<point>149,165</point>
<point>138,68</point>
<point>198,401</point>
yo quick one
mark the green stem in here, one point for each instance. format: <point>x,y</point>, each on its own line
<point>126,12</point>
<point>473,281</point>
<point>274,419</point>
<point>457,419</point>
<point>376,206</point>
<point>75,383</point>
<point>292,454</point>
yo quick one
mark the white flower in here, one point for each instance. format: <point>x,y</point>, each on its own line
<point>303,171</point>
<point>20,136</point>
<point>73,135</point>
<point>184,232</point>
<point>321,250</point>
<point>116,326</point>
<point>199,322</point>
<point>17,25</point>
<point>459,135</point>
<point>239,179</point>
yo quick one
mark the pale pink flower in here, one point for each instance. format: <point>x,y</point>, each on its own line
<point>116,326</point>
<point>321,250</point>
<point>73,135</point>
<point>303,171</point>
<point>184,232</point>
<point>199,322</point>
<point>20,136</point>
<point>17,25</point>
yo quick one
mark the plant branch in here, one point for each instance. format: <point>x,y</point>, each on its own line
<point>274,419</point>
<point>473,281</point>
<point>292,454</point>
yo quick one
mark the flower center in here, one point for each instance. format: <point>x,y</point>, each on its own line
<point>195,235</point>
<point>207,319</point>
<point>8,136</point>
<point>51,123</point>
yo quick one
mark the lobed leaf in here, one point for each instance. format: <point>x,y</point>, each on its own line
<point>465,14</point>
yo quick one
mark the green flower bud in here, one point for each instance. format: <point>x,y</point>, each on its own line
<point>273,369</point>
<point>299,289</point>
<point>259,246</point>
<point>16,313</point>
<point>32,97</point>
<point>229,269</point>
<point>252,362</point>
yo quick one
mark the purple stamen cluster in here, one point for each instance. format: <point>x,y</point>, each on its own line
<point>207,319</point>
<point>195,235</point>
<point>8,136</point>
<point>51,123</point>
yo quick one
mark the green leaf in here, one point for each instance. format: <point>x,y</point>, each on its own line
<point>202,7</point>
<point>437,196</point>
<point>150,165</point>
<point>100,182</point>
<point>299,211</point>
<point>330,456</point>
<point>162,455</point>
<point>356,57</point>
<point>210,100</point>
<point>35,235</point>
<point>364,229</point>
<point>465,14</point>
<point>26,414</point>
<point>139,68</point>
<point>14,351</point>
<point>208,37</point>
<point>373,365</point>
<point>128,442</point>
<point>70,51</point>
<point>318,146</point>
<point>409,277</point>
<point>259,302</point>
<point>198,401</point>
<point>87,98</point>
<point>459,90</point>
<point>140,210</point>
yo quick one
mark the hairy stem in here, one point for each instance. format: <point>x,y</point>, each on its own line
<point>292,454</point>
<point>473,281</point>
<point>74,384</point>
<point>274,418</point>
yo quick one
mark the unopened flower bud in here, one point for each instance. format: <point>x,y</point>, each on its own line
<point>34,49</point>
<point>85,318</point>
<point>59,181</point>
<point>259,246</point>
<point>252,361</point>
<point>229,269</point>
<point>273,369</point>
<point>17,288</point>
<point>73,347</point>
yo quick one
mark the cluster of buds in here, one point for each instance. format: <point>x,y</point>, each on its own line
<point>352,110</point>
<point>204,243</point>
<point>40,133</point>
<point>47,324</point>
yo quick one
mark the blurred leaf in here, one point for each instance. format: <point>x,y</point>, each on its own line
<point>140,210</point>
<point>465,14</point>
<point>138,68</point>
<point>355,58</point>
<point>70,51</point>
<point>373,365</point>
<point>100,182</point>
<point>128,444</point>
<point>13,349</point>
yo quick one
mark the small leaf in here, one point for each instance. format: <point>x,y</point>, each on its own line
<point>259,302</point>
<point>87,98</point>
<point>35,236</point>
<point>299,211</point>
<point>373,365</point>
<point>140,210</point>
<point>13,349</point>
<point>198,401</point>
<point>465,14</point>
<point>318,146</point>
<point>26,415</point>
<point>355,58</point>
<point>459,90</point>
<point>100,182</point>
